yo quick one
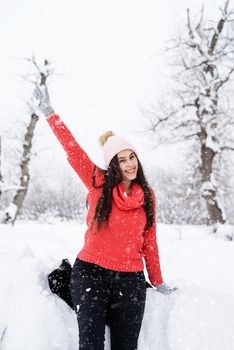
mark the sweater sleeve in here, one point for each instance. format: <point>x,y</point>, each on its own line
<point>76,156</point>
<point>151,254</point>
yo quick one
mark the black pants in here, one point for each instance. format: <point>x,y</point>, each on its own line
<point>102,296</point>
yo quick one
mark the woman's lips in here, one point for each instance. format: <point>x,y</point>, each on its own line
<point>130,171</point>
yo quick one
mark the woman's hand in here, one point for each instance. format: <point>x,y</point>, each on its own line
<point>165,289</point>
<point>42,97</point>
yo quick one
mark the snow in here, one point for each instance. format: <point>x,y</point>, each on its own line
<point>213,145</point>
<point>198,316</point>
<point>207,186</point>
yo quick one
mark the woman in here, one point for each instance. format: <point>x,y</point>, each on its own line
<point>107,281</point>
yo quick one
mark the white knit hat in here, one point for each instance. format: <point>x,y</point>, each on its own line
<point>112,145</point>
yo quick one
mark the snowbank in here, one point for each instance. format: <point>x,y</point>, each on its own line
<point>198,316</point>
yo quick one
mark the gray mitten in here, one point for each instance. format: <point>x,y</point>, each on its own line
<point>42,97</point>
<point>165,289</point>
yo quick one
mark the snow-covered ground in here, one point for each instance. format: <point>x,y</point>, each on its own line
<point>200,316</point>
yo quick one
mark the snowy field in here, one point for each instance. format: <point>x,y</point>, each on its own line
<point>200,316</point>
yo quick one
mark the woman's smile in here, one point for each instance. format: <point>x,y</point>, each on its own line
<point>131,171</point>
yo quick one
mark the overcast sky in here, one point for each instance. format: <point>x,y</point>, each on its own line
<point>108,55</point>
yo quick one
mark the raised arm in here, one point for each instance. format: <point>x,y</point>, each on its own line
<point>76,156</point>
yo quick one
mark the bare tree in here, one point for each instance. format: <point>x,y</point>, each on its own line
<point>10,213</point>
<point>196,110</point>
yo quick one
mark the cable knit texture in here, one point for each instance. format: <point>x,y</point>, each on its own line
<point>121,244</point>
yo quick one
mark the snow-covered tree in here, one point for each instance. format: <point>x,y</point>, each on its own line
<point>177,196</point>
<point>196,110</point>
<point>9,215</point>
<point>55,191</point>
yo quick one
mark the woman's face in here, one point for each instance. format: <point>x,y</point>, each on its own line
<point>128,164</point>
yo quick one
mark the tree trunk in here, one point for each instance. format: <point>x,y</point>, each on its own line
<point>12,211</point>
<point>209,192</point>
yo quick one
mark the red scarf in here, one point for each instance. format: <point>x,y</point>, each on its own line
<point>124,201</point>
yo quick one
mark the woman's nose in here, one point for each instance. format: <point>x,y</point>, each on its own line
<point>129,162</point>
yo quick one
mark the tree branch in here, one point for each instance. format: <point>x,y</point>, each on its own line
<point>223,81</point>
<point>198,26</point>
<point>220,27</point>
<point>190,31</point>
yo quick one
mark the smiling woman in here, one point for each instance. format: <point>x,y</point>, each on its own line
<point>107,281</point>
<point>126,155</point>
<point>124,174</point>
<point>128,164</point>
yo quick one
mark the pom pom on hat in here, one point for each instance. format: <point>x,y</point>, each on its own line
<point>103,138</point>
<point>112,145</point>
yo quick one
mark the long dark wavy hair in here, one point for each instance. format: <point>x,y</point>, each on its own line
<point>112,177</point>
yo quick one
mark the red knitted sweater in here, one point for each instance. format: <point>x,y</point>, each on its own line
<point>122,243</point>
